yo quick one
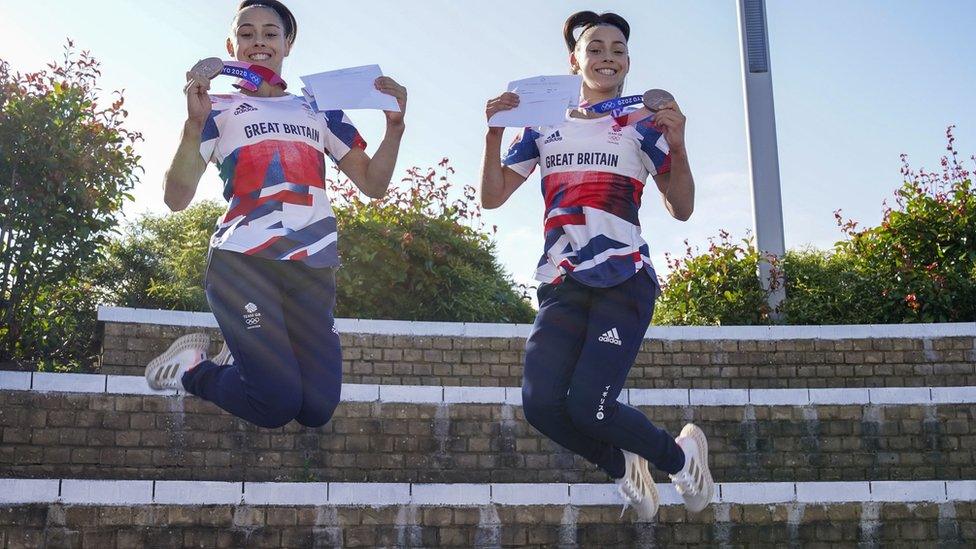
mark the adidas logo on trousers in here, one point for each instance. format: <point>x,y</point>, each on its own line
<point>611,337</point>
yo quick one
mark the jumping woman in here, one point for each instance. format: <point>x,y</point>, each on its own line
<point>598,287</point>
<point>271,273</point>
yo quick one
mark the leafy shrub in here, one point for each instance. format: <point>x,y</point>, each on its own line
<point>822,288</point>
<point>67,165</point>
<point>719,287</point>
<point>161,261</point>
<point>413,255</point>
<point>918,265</point>
<point>416,254</point>
<point>921,259</point>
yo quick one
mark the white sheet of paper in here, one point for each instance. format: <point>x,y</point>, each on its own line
<point>308,95</point>
<point>543,101</point>
<point>350,88</point>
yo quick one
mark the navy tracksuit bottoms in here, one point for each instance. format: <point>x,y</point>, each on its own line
<point>582,346</point>
<point>277,320</point>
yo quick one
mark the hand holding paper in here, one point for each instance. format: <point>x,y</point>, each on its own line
<point>352,88</point>
<point>392,88</point>
<point>543,101</point>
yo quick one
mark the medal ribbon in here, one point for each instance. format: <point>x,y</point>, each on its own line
<point>251,76</point>
<point>616,106</point>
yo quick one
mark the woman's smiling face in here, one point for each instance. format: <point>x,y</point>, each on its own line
<point>258,37</point>
<point>602,57</point>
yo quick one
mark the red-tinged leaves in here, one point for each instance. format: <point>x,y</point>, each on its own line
<point>917,265</point>
<point>66,172</point>
<point>925,244</point>
<point>421,252</point>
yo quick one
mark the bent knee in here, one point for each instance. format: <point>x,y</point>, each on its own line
<point>316,416</point>
<point>276,418</point>
<point>540,410</point>
<point>278,413</point>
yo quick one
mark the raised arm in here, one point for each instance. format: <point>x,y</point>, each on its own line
<point>372,175</point>
<point>497,182</point>
<point>677,186</point>
<point>187,167</point>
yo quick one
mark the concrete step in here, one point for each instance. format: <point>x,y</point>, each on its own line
<point>710,357</point>
<point>88,426</point>
<point>113,513</point>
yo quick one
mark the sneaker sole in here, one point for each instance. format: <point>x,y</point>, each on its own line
<point>157,379</point>
<point>654,495</point>
<point>692,431</point>
<point>655,498</point>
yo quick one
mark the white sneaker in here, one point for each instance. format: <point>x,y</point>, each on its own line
<point>166,370</point>
<point>694,481</point>
<point>638,488</point>
<point>224,357</point>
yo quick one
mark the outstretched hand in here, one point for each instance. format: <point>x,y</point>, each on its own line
<point>389,86</point>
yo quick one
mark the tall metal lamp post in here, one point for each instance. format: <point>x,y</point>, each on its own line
<point>757,80</point>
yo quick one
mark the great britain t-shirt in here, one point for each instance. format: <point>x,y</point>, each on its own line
<point>593,175</point>
<point>271,155</point>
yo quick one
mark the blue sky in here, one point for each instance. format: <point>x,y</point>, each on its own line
<point>856,83</point>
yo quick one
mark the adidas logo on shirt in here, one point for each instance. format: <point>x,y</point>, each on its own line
<point>243,109</point>
<point>553,138</point>
<point>611,337</point>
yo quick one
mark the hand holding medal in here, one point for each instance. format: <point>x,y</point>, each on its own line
<point>198,82</point>
<point>197,85</point>
<point>667,117</point>
<point>652,100</point>
<point>655,102</point>
<point>203,72</point>
<point>251,76</point>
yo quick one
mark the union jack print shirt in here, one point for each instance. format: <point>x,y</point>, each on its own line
<point>271,155</point>
<point>593,174</point>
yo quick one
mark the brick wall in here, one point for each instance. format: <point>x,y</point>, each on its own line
<point>869,524</point>
<point>70,435</point>
<point>705,364</point>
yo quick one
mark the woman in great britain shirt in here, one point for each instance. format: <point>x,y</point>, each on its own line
<point>598,287</point>
<point>271,273</point>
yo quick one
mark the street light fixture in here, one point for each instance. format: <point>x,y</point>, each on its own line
<point>767,203</point>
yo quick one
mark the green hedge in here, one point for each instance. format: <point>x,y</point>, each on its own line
<point>416,254</point>
<point>917,265</point>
